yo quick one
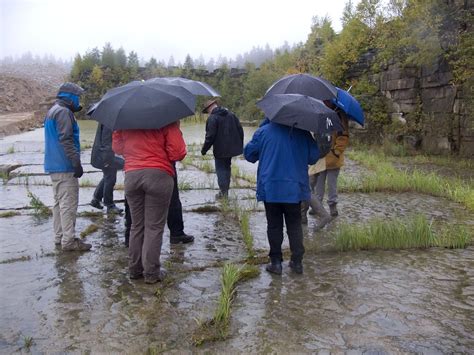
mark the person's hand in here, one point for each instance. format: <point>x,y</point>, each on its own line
<point>78,171</point>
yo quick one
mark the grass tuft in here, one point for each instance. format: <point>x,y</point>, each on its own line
<point>9,214</point>
<point>91,228</point>
<point>39,208</point>
<point>414,232</point>
<point>217,328</point>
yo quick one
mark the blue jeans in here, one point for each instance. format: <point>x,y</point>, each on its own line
<point>105,189</point>
<point>223,174</point>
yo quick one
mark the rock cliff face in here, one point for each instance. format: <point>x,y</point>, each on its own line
<point>425,97</point>
<point>444,120</point>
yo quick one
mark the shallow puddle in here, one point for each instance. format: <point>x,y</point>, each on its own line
<point>380,301</point>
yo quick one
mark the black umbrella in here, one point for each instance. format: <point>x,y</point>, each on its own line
<point>304,84</point>
<point>143,105</point>
<point>193,86</point>
<point>301,112</point>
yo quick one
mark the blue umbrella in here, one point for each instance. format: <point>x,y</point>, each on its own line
<point>350,106</point>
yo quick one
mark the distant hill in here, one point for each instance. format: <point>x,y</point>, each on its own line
<point>24,86</point>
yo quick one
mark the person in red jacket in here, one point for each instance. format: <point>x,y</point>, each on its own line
<point>149,171</point>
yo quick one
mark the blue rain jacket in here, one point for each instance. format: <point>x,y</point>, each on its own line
<point>284,154</point>
<point>61,135</point>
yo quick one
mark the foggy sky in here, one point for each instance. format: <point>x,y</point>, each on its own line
<point>157,28</point>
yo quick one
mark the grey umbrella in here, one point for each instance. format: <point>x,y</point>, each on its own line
<point>193,86</point>
<point>143,105</point>
<point>301,112</point>
<point>304,84</point>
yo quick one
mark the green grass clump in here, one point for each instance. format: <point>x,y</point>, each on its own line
<point>384,177</point>
<point>14,260</point>
<point>86,183</point>
<point>39,208</point>
<point>246,234</point>
<point>91,228</point>
<point>11,150</point>
<point>184,185</point>
<point>217,328</point>
<point>206,209</point>
<point>414,232</point>
<point>9,214</point>
<point>27,342</point>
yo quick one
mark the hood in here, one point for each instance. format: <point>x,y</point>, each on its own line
<point>220,111</point>
<point>70,100</point>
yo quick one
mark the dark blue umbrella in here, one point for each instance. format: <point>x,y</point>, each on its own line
<point>304,84</point>
<point>300,111</point>
<point>350,106</point>
<point>143,105</point>
<point>194,86</point>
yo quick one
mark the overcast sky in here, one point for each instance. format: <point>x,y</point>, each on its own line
<point>157,28</point>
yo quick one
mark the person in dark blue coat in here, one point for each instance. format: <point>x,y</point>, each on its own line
<point>284,154</point>
<point>104,158</point>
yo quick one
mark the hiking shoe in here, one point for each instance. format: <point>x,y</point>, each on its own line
<point>333,210</point>
<point>297,267</point>
<point>155,278</point>
<point>183,238</point>
<point>274,268</point>
<point>114,210</point>
<point>96,203</point>
<point>77,245</point>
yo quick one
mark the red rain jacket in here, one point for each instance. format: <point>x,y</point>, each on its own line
<point>150,148</point>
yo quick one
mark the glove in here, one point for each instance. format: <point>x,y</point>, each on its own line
<point>78,171</point>
<point>203,152</point>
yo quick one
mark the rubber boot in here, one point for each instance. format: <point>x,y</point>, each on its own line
<point>333,210</point>
<point>324,217</point>
<point>274,267</point>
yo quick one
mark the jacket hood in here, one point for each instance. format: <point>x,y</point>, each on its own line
<point>221,111</point>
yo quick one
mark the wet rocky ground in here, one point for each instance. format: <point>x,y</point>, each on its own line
<point>379,301</point>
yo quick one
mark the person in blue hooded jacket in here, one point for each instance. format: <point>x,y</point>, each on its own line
<point>284,154</point>
<point>62,161</point>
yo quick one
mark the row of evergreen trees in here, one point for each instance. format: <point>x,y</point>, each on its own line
<point>412,32</point>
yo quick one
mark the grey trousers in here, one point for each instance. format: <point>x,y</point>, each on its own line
<point>148,193</point>
<point>331,177</point>
<point>66,197</point>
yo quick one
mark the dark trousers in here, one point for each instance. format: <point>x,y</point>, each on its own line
<point>223,173</point>
<point>291,213</point>
<point>175,214</point>
<point>148,193</point>
<point>105,188</point>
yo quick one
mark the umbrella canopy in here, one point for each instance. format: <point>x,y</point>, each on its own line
<point>304,84</point>
<point>350,106</point>
<point>193,86</point>
<point>143,105</point>
<point>300,111</point>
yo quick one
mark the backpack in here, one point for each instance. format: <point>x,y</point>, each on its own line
<point>324,142</point>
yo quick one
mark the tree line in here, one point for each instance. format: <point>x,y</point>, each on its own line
<point>408,32</point>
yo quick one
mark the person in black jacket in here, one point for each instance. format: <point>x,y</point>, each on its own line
<point>225,134</point>
<point>104,158</point>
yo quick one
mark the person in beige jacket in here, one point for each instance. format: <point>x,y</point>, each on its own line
<point>333,161</point>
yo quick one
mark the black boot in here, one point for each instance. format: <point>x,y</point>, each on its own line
<point>333,210</point>
<point>274,267</point>
<point>296,266</point>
